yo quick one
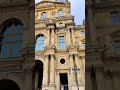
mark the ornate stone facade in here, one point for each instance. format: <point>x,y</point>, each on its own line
<point>59,59</point>
<point>102,45</point>
<point>16,72</point>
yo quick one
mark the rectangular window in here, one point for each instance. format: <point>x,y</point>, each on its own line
<point>117,45</point>
<point>115,17</point>
<point>61,42</point>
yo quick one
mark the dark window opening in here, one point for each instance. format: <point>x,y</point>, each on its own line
<point>38,74</point>
<point>63,81</point>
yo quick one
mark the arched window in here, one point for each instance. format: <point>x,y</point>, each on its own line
<point>11,40</point>
<point>60,13</point>
<point>44,16</point>
<point>115,16</point>
<point>40,42</point>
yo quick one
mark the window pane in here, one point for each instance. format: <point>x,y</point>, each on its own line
<point>60,13</point>
<point>44,16</point>
<point>82,33</point>
<point>62,45</point>
<point>12,40</point>
<point>40,43</point>
<point>117,44</point>
<point>61,42</point>
<point>115,17</point>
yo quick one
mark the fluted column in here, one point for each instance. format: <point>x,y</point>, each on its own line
<point>72,66</point>
<point>48,37</point>
<point>73,36</point>
<point>52,70</point>
<point>52,37</point>
<point>78,64</point>
<point>45,72</point>
<point>69,38</point>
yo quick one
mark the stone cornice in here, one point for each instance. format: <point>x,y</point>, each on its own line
<point>94,48</point>
<point>107,26</point>
<point>48,5</point>
<point>55,19</point>
<point>13,3</point>
<point>103,5</point>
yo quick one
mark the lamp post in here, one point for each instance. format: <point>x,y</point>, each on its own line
<point>76,70</point>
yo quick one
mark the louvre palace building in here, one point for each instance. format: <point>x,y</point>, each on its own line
<point>41,47</point>
<point>60,45</point>
<point>102,45</point>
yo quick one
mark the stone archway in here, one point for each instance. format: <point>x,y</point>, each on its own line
<point>38,74</point>
<point>6,84</point>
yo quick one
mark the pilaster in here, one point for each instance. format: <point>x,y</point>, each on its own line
<point>99,77</point>
<point>53,37</point>
<point>88,83</point>
<point>116,80</point>
<point>52,70</point>
<point>45,71</point>
<point>92,26</point>
<point>73,36</point>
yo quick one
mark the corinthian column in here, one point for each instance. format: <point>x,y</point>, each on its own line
<point>45,72</point>
<point>73,36</point>
<point>52,37</point>
<point>52,70</point>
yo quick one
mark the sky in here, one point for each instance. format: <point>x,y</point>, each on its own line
<point>77,10</point>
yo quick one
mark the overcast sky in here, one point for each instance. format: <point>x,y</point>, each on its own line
<point>77,10</point>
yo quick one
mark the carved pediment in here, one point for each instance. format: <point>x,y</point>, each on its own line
<point>44,4</point>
